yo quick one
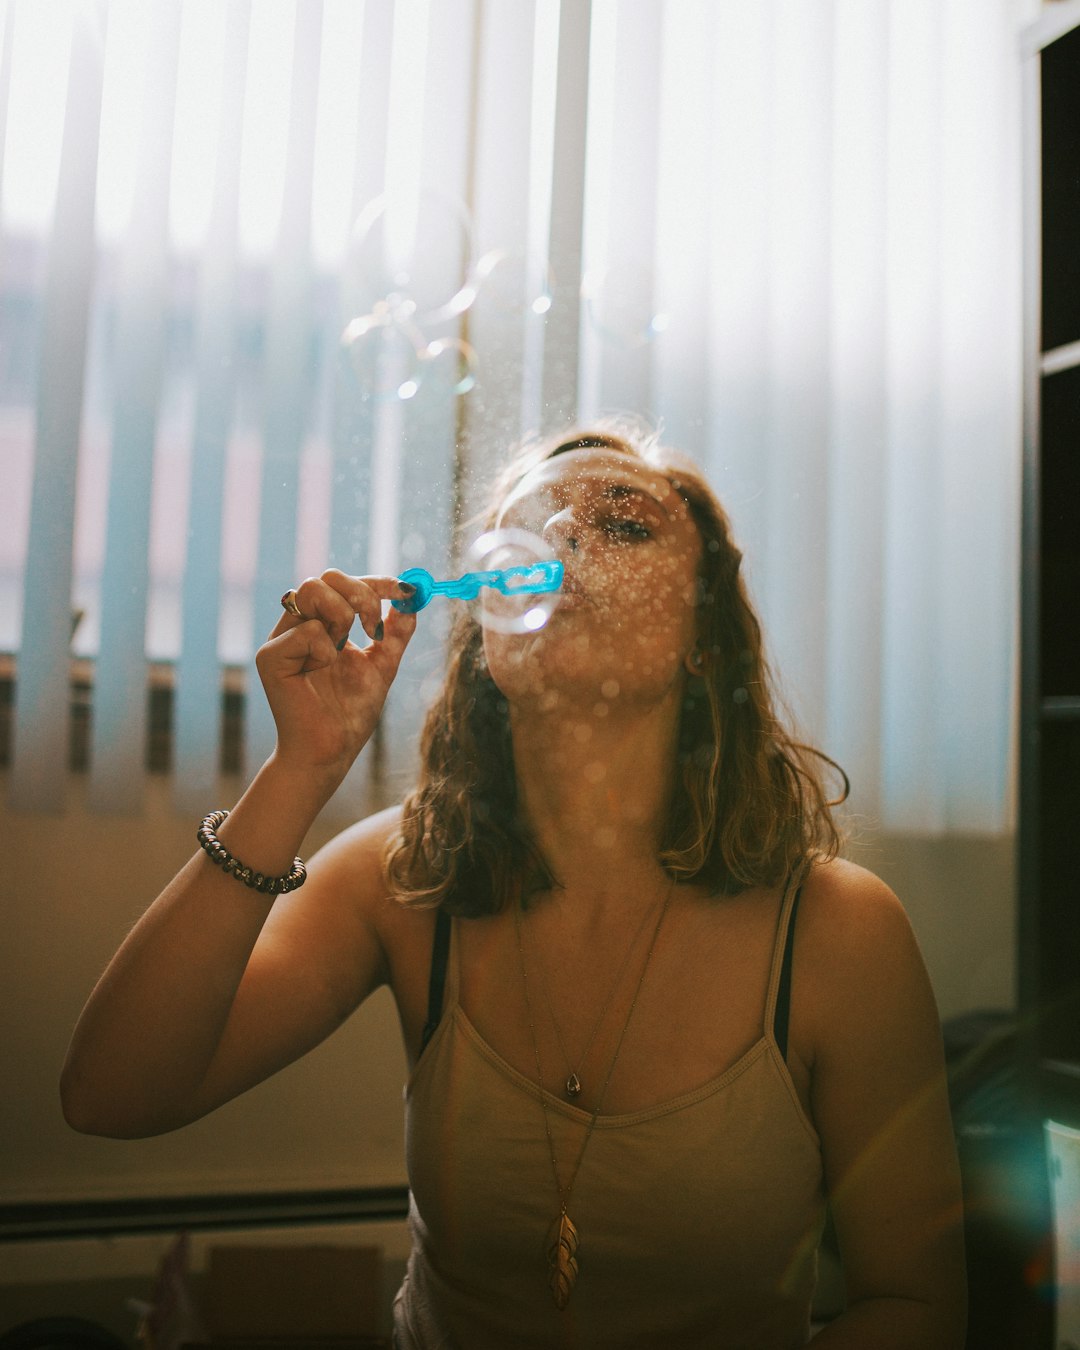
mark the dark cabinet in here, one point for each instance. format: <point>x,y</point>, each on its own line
<point>1059,118</point>
<point>1049,795</point>
<point>1049,822</point>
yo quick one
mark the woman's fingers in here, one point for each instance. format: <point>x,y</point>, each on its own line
<point>335,599</point>
<point>299,649</point>
<point>306,645</point>
<point>386,655</point>
<point>327,696</point>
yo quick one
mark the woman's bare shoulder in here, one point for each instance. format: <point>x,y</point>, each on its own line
<point>356,860</point>
<point>854,935</point>
<point>842,895</point>
<point>362,846</point>
<point>852,925</point>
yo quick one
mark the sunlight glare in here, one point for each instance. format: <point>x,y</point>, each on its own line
<point>198,112</point>
<point>41,46</point>
<point>122,98</point>
<point>336,132</point>
<point>267,100</point>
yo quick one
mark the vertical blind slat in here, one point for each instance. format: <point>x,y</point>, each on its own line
<point>690,74</point>
<point>912,785</point>
<point>559,388</point>
<point>120,694</point>
<point>619,303</point>
<point>736,317</point>
<point>980,555</point>
<point>7,27</point>
<point>198,671</point>
<point>288,380</point>
<point>43,692</point>
<point>425,510</point>
<point>797,417</point>
<point>858,393</point>
<point>353,408</point>
<point>500,316</point>
<point>354,411</point>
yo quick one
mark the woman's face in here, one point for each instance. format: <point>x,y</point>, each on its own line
<point>627,615</point>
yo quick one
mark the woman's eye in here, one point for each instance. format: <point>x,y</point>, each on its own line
<point>627,529</point>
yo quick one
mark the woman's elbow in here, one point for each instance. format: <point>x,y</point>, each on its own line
<point>91,1112</point>
<point>81,1112</point>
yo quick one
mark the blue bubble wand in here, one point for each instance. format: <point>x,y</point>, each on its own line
<point>533,579</point>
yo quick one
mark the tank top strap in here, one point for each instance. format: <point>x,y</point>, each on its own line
<point>443,978</point>
<point>453,964</point>
<point>778,998</point>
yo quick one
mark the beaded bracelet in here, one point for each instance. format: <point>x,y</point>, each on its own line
<point>218,853</point>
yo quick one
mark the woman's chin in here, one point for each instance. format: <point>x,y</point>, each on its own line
<point>551,675</point>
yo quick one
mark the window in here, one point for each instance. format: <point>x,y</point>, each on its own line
<point>789,233</point>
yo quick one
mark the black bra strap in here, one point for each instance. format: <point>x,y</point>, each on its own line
<point>783,993</point>
<point>440,952</point>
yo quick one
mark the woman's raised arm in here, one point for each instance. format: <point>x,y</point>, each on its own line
<point>219,985</point>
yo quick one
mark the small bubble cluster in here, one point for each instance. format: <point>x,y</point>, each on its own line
<point>399,342</point>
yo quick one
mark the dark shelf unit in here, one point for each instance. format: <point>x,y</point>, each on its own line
<point>1049,817</point>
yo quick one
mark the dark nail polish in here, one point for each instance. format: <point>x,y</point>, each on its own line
<point>406,588</point>
<point>379,631</point>
<point>341,644</point>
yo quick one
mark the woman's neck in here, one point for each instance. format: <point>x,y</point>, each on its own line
<point>595,790</point>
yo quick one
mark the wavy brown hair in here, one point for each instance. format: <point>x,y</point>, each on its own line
<point>749,802</point>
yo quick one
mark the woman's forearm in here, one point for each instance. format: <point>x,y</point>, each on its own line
<point>154,1021</point>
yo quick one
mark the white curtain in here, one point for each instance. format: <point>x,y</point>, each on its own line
<point>788,231</point>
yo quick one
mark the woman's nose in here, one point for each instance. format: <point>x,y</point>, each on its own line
<point>562,530</point>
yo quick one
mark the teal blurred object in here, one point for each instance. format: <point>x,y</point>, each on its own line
<point>1003,1167</point>
<point>533,579</point>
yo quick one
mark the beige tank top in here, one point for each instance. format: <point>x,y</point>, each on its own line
<point>699,1219</point>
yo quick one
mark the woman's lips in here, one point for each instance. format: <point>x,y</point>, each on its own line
<point>571,585</point>
<point>572,596</point>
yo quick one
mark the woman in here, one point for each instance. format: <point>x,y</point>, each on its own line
<point>635,1079</point>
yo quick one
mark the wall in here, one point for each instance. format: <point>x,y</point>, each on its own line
<point>960,894</point>
<point>72,885</point>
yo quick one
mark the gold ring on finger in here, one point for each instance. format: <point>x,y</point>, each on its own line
<point>289,605</point>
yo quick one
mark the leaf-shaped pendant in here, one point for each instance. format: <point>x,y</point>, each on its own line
<point>573,1085</point>
<point>562,1258</point>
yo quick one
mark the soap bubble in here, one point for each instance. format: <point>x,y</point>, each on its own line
<point>387,350</point>
<point>403,278</point>
<point>415,248</point>
<point>392,359</point>
<point>405,262</point>
<point>450,362</point>
<point>619,304</point>
<point>515,284</point>
<point>504,548</point>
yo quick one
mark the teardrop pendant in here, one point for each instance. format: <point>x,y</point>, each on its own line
<point>573,1085</point>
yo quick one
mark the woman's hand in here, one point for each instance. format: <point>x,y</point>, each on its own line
<point>325,693</point>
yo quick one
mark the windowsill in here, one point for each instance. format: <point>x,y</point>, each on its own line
<point>161,688</point>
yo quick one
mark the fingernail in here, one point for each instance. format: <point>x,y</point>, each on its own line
<point>341,644</point>
<point>406,588</point>
<point>379,631</point>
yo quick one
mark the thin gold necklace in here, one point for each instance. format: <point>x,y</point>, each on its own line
<point>562,1254</point>
<point>573,1083</point>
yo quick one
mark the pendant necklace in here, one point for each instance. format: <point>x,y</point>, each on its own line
<point>562,1254</point>
<point>573,1083</point>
